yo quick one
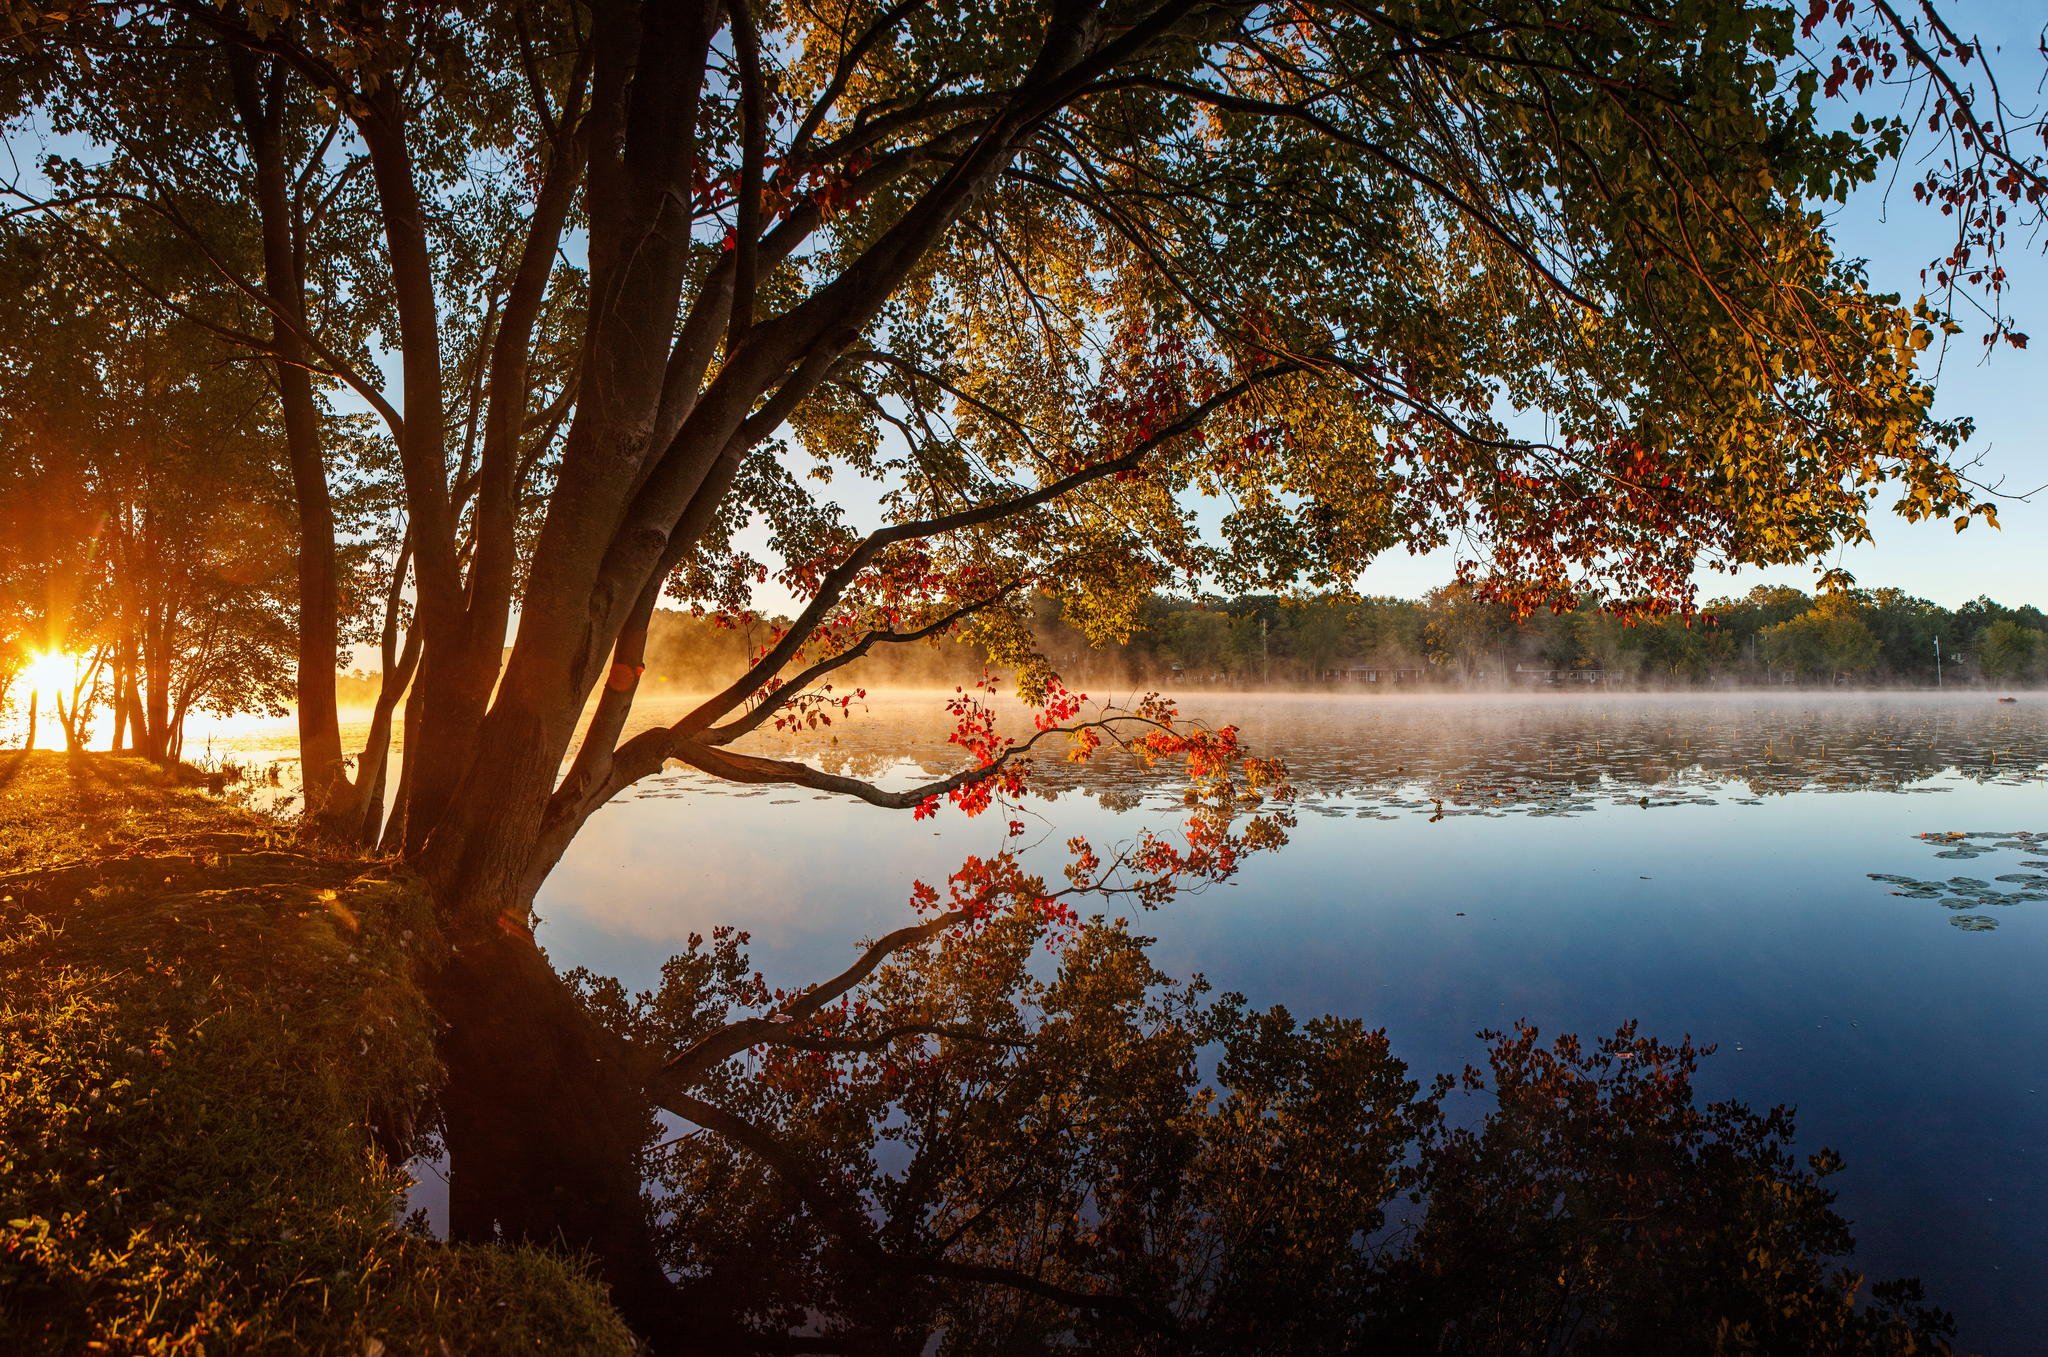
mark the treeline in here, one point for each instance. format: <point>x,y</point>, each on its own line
<point>1771,636</point>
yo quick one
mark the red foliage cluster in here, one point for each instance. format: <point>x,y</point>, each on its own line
<point>1058,705</point>
<point>1614,499</point>
<point>809,711</point>
<point>982,886</point>
<point>1222,779</point>
<point>1140,399</point>
<point>974,730</point>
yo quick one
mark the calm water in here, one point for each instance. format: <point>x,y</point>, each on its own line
<point>1750,871</point>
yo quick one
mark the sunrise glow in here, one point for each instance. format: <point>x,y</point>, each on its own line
<point>50,674</point>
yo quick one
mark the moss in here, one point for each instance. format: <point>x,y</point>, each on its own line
<point>207,1033</point>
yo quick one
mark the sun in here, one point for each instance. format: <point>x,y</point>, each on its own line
<point>50,673</point>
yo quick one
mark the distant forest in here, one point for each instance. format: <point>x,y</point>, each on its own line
<point>1771,636</point>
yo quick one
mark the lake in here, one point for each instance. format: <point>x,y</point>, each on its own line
<point>1847,896</point>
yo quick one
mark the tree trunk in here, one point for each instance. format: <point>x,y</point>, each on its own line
<point>156,741</point>
<point>123,676</point>
<point>393,837</point>
<point>259,102</point>
<point>477,861</point>
<point>453,688</point>
<point>367,810</point>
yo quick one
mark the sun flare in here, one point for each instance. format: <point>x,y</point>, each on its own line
<point>50,673</point>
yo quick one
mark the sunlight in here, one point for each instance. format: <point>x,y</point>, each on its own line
<point>50,674</point>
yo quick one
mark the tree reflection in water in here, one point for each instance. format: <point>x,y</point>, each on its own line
<point>1003,1129</point>
<point>1019,1135</point>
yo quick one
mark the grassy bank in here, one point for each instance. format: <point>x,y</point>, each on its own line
<point>212,1050</point>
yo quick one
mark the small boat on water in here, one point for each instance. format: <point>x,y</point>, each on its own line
<point>2006,701</point>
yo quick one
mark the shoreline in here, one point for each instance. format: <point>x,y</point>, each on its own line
<point>214,1060</point>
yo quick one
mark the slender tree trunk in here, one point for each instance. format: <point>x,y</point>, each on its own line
<point>368,806</point>
<point>260,89</point>
<point>156,642</point>
<point>392,840</point>
<point>138,735</point>
<point>123,675</point>
<point>371,824</point>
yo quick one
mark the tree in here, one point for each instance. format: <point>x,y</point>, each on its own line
<point>1975,620</point>
<point>1041,275</point>
<point>1322,636</point>
<point>1467,630</point>
<point>2010,653</point>
<point>1907,629</point>
<point>1827,641</point>
<point>136,483</point>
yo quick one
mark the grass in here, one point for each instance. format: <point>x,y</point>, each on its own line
<point>212,1056</point>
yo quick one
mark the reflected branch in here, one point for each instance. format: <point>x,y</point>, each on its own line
<point>857,1232</point>
<point>730,1040</point>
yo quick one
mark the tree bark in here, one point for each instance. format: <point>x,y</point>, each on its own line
<point>260,105</point>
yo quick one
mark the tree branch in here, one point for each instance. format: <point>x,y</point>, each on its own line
<point>835,584</point>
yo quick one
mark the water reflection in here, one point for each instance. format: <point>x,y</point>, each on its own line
<point>984,1146</point>
<point>1374,758</point>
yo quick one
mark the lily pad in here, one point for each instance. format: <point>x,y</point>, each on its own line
<point>1974,923</point>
